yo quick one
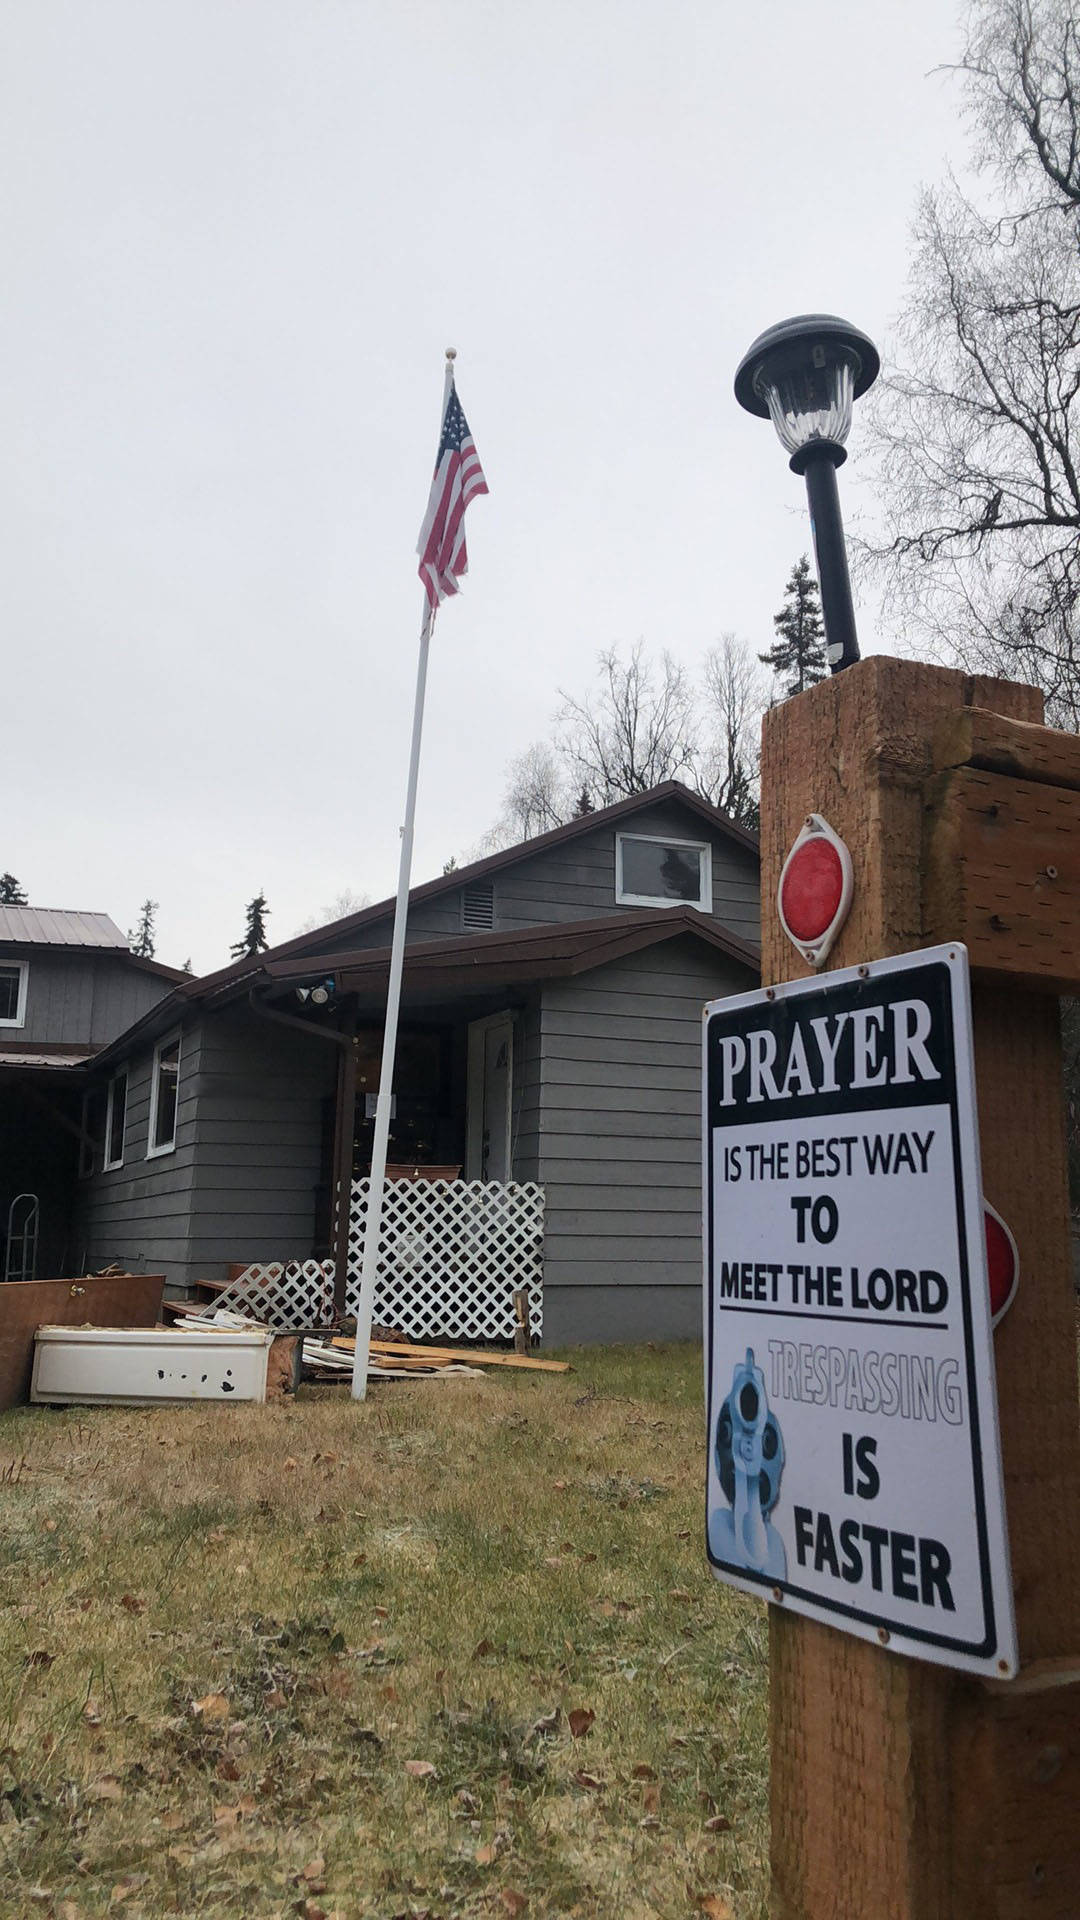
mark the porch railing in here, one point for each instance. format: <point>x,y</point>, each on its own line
<point>452,1255</point>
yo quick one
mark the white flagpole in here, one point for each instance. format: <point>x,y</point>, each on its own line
<point>393,1001</point>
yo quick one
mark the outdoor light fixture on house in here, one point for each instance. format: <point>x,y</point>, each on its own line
<point>805,376</point>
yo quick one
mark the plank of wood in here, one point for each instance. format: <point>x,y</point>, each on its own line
<point>974,737</point>
<point>477,1357</point>
<point>1002,873</point>
<point>887,1773</point>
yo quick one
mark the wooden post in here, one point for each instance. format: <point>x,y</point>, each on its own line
<point>900,1790</point>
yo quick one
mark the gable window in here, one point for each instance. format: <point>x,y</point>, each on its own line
<point>163,1085</point>
<point>115,1120</point>
<point>13,977</point>
<point>662,873</point>
<point>93,1132</point>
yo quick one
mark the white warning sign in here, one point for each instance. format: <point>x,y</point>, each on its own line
<point>854,1469</point>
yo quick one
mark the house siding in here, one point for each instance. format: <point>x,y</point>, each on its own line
<point>620,1144</point>
<point>138,1214</point>
<point>81,999</point>
<point>575,880</point>
<point>242,1180</point>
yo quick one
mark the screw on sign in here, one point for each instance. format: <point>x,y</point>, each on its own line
<point>814,894</point>
<point>1002,1262</point>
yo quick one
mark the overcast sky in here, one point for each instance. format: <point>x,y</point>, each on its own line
<point>237,236</point>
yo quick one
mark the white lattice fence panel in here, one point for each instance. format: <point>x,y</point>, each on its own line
<point>282,1294</point>
<point>452,1254</point>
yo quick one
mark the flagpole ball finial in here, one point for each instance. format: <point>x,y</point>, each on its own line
<point>451,353</point>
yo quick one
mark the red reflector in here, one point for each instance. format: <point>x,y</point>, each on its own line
<point>812,889</point>
<point>1002,1266</point>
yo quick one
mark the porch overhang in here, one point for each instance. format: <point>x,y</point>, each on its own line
<point>479,964</point>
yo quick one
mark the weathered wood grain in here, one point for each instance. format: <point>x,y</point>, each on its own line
<point>1002,873</point>
<point>974,737</point>
<point>870,1777</point>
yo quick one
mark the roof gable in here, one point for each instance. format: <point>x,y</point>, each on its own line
<point>622,811</point>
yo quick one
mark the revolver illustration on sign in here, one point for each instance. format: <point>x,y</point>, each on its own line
<point>749,1462</point>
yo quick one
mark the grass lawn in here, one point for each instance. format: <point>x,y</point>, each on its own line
<point>455,1651</point>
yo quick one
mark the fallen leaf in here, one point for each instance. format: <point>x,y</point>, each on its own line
<point>311,1910</point>
<point>289,1464</point>
<point>389,1694</point>
<point>718,1824</point>
<point>482,1649</point>
<point>513,1902</point>
<point>485,1855</point>
<point>40,1658</point>
<point>225,1816</point>
<point>579,1720</point>
<point>381,1613</point>
<point>227,1768</point>
<point>560,1484</point>
<point>420,1769</point>
<point>717,1907</point>
<point>590,1781</point>
<point>247,1804</point>
<point>212,1706</point>
<point>467,1801</point>
<point>643,1772</point>
<point>174,1820</point>
<point>50,1526</point>
<point>106,1787</point>
<point>679,1593</point>
<point>273,1700</point>
<point>649,1821</point>
<point>547,1723</point>
<point>132,1604</point>
<point>650,1799</point>
<point>315,1868</point>
<point>67,1910</point>
<point>552,1560</point>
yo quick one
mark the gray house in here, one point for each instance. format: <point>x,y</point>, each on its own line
<point>69,984</point>
<point>550,1042</point>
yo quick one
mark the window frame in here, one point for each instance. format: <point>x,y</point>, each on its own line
<point>22,968</point>
<point>167,1146</point>
<point>108,1165</point>
<point>703,903</point>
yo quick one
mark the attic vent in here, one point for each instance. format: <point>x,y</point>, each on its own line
<point>478,907</point>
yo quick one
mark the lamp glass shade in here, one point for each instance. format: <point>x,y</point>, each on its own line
<point>808,402</point>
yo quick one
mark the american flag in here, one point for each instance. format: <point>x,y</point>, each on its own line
<point>458,478</point>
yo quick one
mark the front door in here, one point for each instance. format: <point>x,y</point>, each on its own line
<point>490,1092</point>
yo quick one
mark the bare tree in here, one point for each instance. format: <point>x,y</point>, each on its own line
<point>340,907</point>
<point>643,722</point>
<point>735,699</point>
<point>638,729</point>
<point>976,428</point>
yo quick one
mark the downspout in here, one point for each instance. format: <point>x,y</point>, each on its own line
<point>344,1123</point>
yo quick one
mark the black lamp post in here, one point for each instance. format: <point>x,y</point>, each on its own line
<point>805,375</point>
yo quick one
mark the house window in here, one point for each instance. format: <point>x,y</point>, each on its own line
<point>93,1132</point>
<point>163,1096</point>
<point>115,1119</point>
<point>662,873</point>
<point>478,907</point>
<point>13,978</point>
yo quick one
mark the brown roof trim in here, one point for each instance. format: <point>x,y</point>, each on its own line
<point>305,943</point>
<point>569,947</point>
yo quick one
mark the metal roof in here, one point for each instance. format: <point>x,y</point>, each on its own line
<point>59,927</point>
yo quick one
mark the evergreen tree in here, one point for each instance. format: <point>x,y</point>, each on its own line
<point>143,939</point>
<point>797,655</point>
<point>254,940</point>
<point>11,893</point>
<point>584,803</point>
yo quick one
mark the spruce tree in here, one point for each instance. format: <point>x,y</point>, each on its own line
<point>584,803</point>
<point>143,938</point>
<point>254,940</point>
<point>11,893</point>
<point>797,655</point>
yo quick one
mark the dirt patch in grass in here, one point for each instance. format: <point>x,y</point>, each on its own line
<point>453,1651</point>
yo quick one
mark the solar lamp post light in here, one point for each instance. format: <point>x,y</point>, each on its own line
<point>805,376</point>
